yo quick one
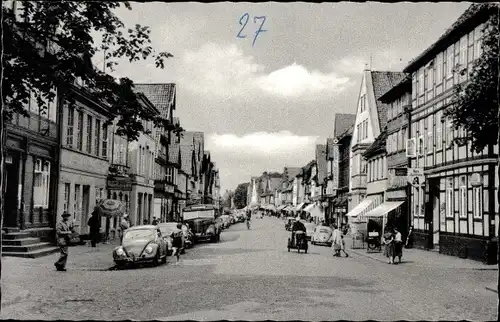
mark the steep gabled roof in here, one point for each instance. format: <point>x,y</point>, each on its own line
<point>377,147</point>
<point>382,82</point>
<point>321,161</point>
<point>342,122</point>
<point>292,172</point>
<point>186,158</point>
<point>161,95</point>
<point>473,16</point>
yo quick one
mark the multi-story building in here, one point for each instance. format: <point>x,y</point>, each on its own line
<point>376,186</point>
<point>85,156</point>
<point>32,159</point>
<point>338,152</point>
<point>163,98</point>
<point>337,173</point>
<point>398,101</point>
<point>455,210</point>
<point>370,121</point>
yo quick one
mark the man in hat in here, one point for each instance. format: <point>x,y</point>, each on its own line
<point>95,226</point>
<point>63,233</point>
<point>124,225</point>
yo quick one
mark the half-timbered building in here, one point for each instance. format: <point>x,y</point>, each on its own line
<point>455,210</point>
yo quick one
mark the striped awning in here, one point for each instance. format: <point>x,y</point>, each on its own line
<point>363,207</point>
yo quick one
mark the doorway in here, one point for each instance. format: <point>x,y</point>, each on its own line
<point>434,209</point>
<point>12,192</point>
<point>85,208</point>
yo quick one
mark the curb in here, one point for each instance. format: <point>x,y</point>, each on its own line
<point>357,252</point>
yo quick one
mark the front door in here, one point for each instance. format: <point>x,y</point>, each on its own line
<point>85,209</point>
<point>12,192</point>
<point>434,214</point>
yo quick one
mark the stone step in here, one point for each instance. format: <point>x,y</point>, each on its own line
<point>20,242</point>
<point>18,235</point>
<point>33,254</point>
<point>25,248</point>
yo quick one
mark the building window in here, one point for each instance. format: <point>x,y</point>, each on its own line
<point>478,34</point>
<point>449,133</point>
<point>476,202</point>
<point>439,68</point>
<point>470,48</point>
<point>69,130</point>
<point>88,147</point>
<point>170,174</point>
<point>97,137</point>
<point>41,184</point>
<point>363,103</point>
<point>105,141</point>
<point>463,197</point>
<point>79,132</point>
<point>67,187</point>
<point>430,78</point>
<point>421,82</point>
<point>411,150</point>
<point>449,62</point>
<point>358,133</point>
<point>420,145</point>
<point>449,198</point>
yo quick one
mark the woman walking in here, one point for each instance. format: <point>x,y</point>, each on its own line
<point>336,241</point>
<point>389,245</point>
<point>398,245</point>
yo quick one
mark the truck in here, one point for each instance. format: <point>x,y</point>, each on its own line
<point>201,220</point>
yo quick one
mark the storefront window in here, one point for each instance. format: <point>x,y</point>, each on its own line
<point>41,184</point>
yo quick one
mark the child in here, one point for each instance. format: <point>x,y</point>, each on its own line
<point>342,246</point>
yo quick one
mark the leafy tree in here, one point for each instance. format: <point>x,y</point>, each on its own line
<point>240,195</point>
<point>47,45</point>
<point>476,101</point>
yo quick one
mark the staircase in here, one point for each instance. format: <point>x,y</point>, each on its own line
<point>16,243</point>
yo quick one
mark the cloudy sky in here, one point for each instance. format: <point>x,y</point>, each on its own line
<point>266,106</point>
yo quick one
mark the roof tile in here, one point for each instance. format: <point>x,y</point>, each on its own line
<point>342,123</point>
<point>383,82</point>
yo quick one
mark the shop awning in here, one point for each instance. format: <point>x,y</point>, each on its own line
<point>310,207</point>
<point>363,205</point>
<point>384,209</point>
<point>302,205</point>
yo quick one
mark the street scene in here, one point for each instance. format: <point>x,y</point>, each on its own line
<point>249,161</point>
<point>249,275</point>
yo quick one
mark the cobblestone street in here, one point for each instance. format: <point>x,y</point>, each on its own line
<point>249,275</point>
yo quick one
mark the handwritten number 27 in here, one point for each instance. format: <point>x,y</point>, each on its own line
<point>245,18</point>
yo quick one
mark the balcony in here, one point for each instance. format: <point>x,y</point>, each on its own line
<point>118,170</point>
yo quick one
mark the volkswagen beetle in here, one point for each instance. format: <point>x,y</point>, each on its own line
<point>141,244</point>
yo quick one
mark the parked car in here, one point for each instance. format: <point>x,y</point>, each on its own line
<point>141,244</point>
<point>322,235</point>
<point>166,230</point>
<point>225,221</point>
<point>205,229</point>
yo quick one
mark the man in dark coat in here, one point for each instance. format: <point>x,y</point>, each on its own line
<point>94,227</point>
<point>63,232</point>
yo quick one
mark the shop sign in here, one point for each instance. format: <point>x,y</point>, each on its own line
<point>416,176</point>
<point>119,183</point>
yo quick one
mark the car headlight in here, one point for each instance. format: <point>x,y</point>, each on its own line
<point>120,251</point>
<point>149,249</point>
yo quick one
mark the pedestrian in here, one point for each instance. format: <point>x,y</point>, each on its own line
<point>124,225</point>
<point>176,236</point>
<point>336,241</point>
<point>63,232</point>
<point>145,222</point>
<point>342,246</point>
<point>389,245</point>
<point>94,227</point>
<point>155,221</point>
<point>408,243</point>
<point>398,244</point>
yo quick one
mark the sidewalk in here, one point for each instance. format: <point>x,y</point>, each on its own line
<point>81,257</point>
<point>423,258</point>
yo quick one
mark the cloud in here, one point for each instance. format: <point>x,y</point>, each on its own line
<point>262,143</point>
<point>296,80</point>
<point>225,71</point>
<point>349,65</point>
